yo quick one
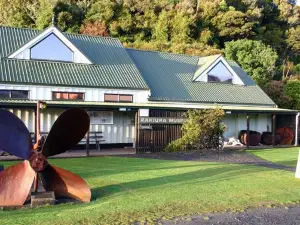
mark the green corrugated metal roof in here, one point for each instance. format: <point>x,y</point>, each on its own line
<point>113,66</point>
<point>170,78</point>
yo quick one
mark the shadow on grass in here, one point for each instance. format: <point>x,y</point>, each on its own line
<point>113,169</point>
<point>290,163</point>
<point>208,175</point>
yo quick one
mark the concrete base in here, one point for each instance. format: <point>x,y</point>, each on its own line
<point>42,198</point>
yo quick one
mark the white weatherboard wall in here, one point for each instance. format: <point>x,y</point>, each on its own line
<point>121,131</point>
<point>235,123</point>
<point>90,94</point>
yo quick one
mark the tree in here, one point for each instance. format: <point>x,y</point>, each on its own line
<point>69,17</point>
<point>181,28</point>
<point>257,59</point>
<point>202,130</point>
<point>161,28</point>
<point>276,91</point>
<point>233,25</point>
<point>103,10</point>
<point>292,89</point>
<point>97,28</point>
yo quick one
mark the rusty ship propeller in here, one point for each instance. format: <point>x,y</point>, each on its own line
<point>16,181</point>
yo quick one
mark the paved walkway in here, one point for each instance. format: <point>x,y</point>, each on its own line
<point>82,153</point>
<point>285,215</point>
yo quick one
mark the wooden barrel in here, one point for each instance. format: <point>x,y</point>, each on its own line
<point>267,139</point>
<point>254,138</point>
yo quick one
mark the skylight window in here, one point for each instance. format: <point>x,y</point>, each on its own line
<point>219,74</point>
<point>51,48</point>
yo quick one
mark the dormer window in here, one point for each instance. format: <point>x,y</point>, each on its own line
<point>51,48</point>
<point>220,74</point>
<point>215,69</point>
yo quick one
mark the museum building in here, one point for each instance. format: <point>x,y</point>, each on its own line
<point>123,88</point>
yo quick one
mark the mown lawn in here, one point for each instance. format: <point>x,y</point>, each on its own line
<point>283,156</point>
<point>125,190</point>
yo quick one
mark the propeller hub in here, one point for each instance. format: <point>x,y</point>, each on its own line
<point>38,161</point>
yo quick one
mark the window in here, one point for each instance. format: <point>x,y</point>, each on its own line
<point>118,98</point>
<point>111,98</point>
<point>125,98</point>
<point>14,94</point>
<point>219,74</point>
<point>51,48</point>
<point>67,96</point>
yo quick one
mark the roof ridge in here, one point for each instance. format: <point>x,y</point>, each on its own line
<point>93,36</point>
<point>20,28</point>
<point>75,34</point>
<point>155,51</point>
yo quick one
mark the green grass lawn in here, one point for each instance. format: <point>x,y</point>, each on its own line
<point>283,156</point>
<point>127,189</point>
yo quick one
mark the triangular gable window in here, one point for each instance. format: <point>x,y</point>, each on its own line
<point>50,45</point>
<point>51,48</point>
<point>220,74</point>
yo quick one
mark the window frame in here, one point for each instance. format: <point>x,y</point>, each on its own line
<point>10,94</point>
<point>126,95</point>
<point>49,60</point>
<point>66,92</point>
<point>119,97</point>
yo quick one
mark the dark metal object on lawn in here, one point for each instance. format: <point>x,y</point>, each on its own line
<point>16,181</point>
<point>1,168</point>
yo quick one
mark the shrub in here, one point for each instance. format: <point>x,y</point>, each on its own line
<point>202,130</point>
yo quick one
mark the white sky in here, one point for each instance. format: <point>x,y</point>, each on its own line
<point>298,2</point>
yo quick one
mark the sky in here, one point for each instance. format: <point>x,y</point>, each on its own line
<point>298,2</point>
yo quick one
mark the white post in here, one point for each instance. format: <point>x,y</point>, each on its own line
<point>296,129</point>
<point>297,175</point>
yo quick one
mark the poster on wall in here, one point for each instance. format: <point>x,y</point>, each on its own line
<point>101,117</point>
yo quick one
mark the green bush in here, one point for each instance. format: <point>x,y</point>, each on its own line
<point>292,89</point>
<point>201,130</point>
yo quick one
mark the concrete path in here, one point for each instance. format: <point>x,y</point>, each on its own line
<point>82,153</point>
<point>285,215</point>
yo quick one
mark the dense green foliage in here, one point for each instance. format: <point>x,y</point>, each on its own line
<point>263,36</point>
<point>202,130</point>
<point>125,190</point>
<point>257,59</point>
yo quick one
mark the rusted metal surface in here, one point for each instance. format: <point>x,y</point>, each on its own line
<point>69,129</point>
<point>14,135</point>
<point>15,184</point>
<point>16,181</point>
<point>65,184</point>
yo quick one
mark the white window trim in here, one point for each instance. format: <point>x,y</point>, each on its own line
<point>226,64</point>
<point>45,34</point>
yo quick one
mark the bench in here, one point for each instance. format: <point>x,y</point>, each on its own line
<point>95,138</point>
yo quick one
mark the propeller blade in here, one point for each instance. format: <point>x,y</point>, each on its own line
<point>65,183</point>
<point>69,129</point>
<point>15,184</point>
<point>14,135</point>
